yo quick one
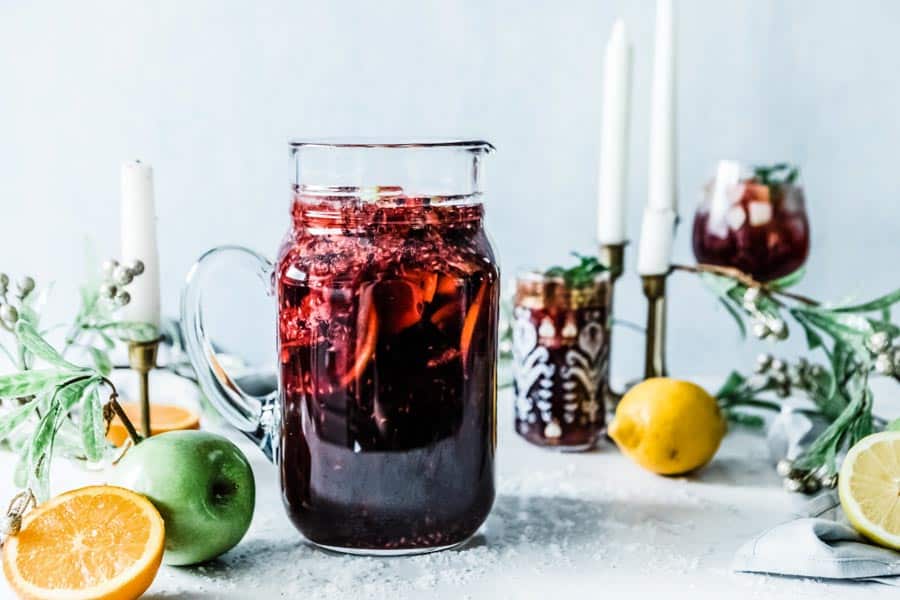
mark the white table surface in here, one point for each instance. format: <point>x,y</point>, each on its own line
<point>564,525</point>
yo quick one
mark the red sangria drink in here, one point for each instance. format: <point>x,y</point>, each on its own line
<point>383,425</point>
<point>560,359</point>
<point>387,337</point>
<point>757,224</point>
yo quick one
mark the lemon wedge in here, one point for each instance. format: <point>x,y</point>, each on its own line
<point>869,487</point>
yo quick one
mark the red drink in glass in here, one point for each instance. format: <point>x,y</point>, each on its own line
<point>760,229</point>
<point>560,360</point>
<point>387,344</point>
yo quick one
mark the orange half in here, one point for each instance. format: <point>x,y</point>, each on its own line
<point>98,542</point>
<point>163,418</point>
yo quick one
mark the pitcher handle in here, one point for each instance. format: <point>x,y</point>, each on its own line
<point>255,416</point>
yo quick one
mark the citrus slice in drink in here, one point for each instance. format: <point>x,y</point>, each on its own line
<point>869,487</point>
<point>100,542</point>
<point>163,417</point>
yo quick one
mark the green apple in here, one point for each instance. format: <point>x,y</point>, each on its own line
<point>202,485</point>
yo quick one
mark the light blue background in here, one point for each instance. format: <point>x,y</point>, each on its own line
<point>209,91</point>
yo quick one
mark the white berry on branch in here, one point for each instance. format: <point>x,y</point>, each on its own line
<point>763,362</point>
<point>784,467</point>
<point>751,296</point>
<point>108,291</point>
<point>760,330</point>
<point>24,286</point>
<point>884,364</point>
<point>122,275</point>
<point>878,342</point>
<point>136,267</point>
<point>109,267</point>
<point>778,328</point>
<point>794,485</point>
<point>9,314</point>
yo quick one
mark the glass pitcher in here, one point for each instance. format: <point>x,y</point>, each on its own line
<point>383,426</point>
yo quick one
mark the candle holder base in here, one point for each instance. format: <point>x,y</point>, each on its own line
<point>613,257</point>
<point>142,358</point>
<point>654,287</point>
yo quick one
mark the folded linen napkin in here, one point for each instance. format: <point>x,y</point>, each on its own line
<point>822,544</point>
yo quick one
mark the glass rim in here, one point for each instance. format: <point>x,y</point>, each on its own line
<point>528,275</point>
<point>747,171</point>
<point>471,145</point>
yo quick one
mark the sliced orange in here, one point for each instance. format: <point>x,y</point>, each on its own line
<point>471,320</point>
<point>367,332</point>
<point>447,285</point>
<point>399,304</point>
<point>427,281</point>
<point>163,418</point>
<point>99,543</point>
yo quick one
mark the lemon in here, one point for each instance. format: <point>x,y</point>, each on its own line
<point>869,487</point>
<point>668,426</point>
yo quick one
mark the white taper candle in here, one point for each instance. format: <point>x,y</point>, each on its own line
<point>661,212</point>
<point>611,188</point>
<point>655,247</point>
<point>661,168</point>
<point>138,230</point>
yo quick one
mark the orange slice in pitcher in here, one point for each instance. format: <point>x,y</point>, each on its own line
<point>448,316</point>
<point>367,336</point>
<point>95,542</point>
<point>426,281</point>
<point>447,285</point>
<point>163,418</point>
<point>468,329</point>
<point>399,304</point>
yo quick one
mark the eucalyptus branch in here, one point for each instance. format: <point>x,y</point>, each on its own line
<point>61,393</point>
<point>855,339</point>
<point>744,279</point>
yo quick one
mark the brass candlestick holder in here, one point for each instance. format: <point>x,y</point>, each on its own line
<point>655,349</point>
<point>613,257</point>
<point>142,358</point>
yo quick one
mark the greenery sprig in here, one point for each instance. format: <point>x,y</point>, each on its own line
<point>580,275</point>
<point>857,341</point>
<point>58,408</point>
<point>777,174</point>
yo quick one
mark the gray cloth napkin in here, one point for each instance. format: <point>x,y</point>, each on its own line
<point>820,544</point>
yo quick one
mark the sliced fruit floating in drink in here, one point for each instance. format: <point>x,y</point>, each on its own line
<point>471,320</point>
<point>448,317</point>
<point>426,281</point>
<point>366,336</point>
<point>399,305</point>
<point>448,285</point>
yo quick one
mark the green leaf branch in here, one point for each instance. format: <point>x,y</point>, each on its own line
<point>59,406</point>
<point>66,393</point>
<point>856,341</point>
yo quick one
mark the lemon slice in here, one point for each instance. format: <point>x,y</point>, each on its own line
<point>869,487</point>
